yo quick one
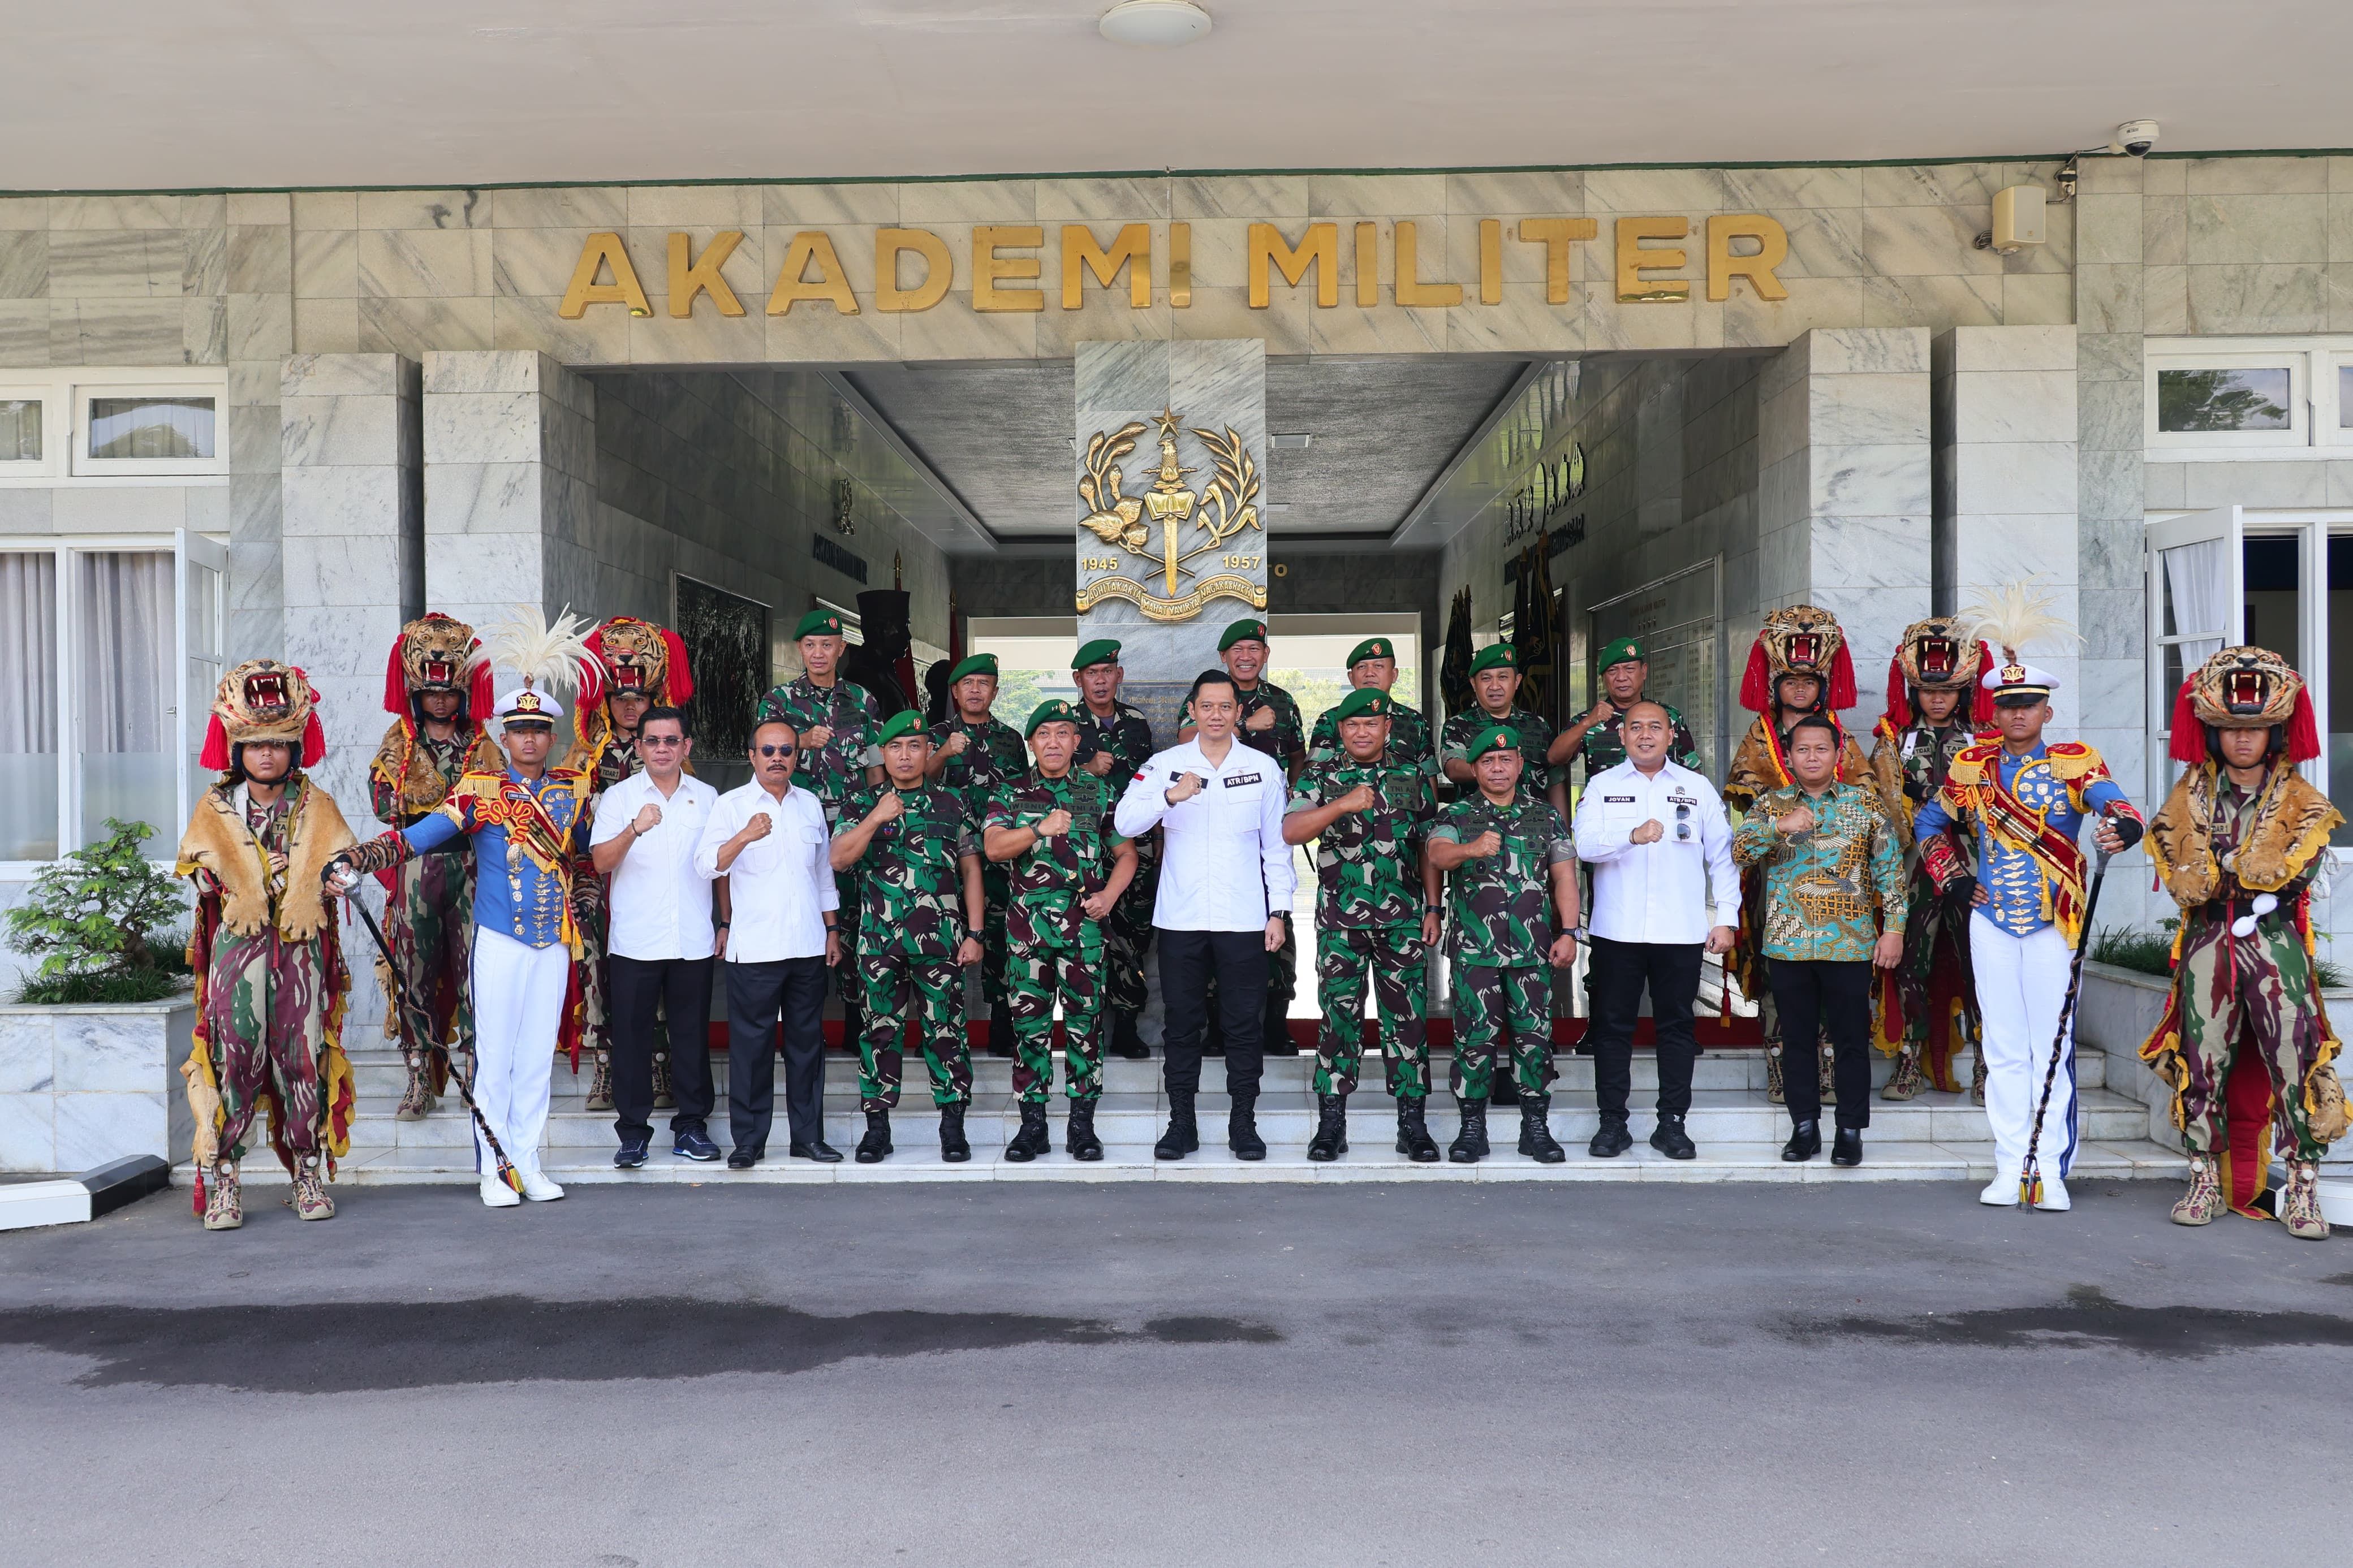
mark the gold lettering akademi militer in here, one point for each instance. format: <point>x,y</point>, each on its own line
<point>914,269</point>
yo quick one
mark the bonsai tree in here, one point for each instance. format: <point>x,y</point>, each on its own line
<point>92,919</point>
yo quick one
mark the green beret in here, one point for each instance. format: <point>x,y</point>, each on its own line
<point>1102,651</point>
<point>1496,656</point>
<point>1053,710</point>
<point>1493,737</point>
<point>818,624</point>
<point>1241,631</point>
<point>1371,648</point>
<point>974,663</point>
<point>1625,650</point>
<point>1363,703</point>
<point>909,723</point>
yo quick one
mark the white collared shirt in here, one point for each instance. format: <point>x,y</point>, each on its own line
<point>1223,863</point>
<point>659,909</point>
<point>779,887</point>
<point>1667,892</point>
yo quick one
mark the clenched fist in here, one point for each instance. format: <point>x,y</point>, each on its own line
<point>1357,799</point>
<point>757,826</point>
<point>1098,764</point>
<point>1650,832</point>
<point>1186,786</point>
<point>1054,823</point>
<point>816,736</point>
<point>648,818</point>
<point>1799,819</point>
<point>1488,843</point>
<point>1260,722</point>
<point>953,746</point>
<point>888,808</point>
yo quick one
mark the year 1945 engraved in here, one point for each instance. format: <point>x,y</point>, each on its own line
<point>1097,563</point>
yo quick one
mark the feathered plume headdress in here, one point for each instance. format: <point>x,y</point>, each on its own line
<point>2014,614</point>
<point>547,658</point>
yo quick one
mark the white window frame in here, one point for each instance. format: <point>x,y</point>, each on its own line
<point>65,395</point>
<point>2312,363</point>
<point>183,547</point>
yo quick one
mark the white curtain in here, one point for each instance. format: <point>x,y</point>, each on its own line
<point>28,705</point>
<point>127,666</point>
<point>2197,581</point>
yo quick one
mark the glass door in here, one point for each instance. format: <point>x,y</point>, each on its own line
<point>197,592</point>
<point>2197,607</point>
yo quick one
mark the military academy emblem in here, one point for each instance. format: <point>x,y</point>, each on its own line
<point>1194,546</point>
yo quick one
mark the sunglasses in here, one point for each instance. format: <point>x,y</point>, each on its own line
<point>1683,822</point>
<point>776,750</point>
<point>662,740</point>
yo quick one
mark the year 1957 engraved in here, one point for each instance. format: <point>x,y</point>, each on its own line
<point>1243,563</point>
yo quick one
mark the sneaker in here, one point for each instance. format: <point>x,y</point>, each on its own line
<point>497,1194</point>
<point>309,1197</point>
<point>2053,1197</point>
<point>2001,1192</point>
<point>694,1144</point>
<point>536,1187</point>
<point>632,1153</point>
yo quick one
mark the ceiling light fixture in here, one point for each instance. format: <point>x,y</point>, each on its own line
<point>1154,24</point>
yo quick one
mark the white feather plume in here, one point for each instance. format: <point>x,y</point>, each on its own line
<point>548,658</point>
<point>2013,616</point>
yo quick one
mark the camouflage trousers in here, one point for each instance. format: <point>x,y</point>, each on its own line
<point>1932,976</point>
<point>892,987</point>
<point>428,924</point>
<point>1394,962</point>
<point>2246,993</point>
<point>1035,974</point>
<point>1487,1002</point>
<point>994,895</point>
<point>269,1004</point>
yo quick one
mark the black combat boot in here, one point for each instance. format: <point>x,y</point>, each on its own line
<point>1414,1141</point>
<point>1000,1031</point>
<point>1032,1140</point>
<point>1183,1137</point>
<point>1670,1139</point>
<point>1331,1140</point>
<point>953,1147</point>
<point>1241,1126</point>
<point>1470,1145</point>
<point>1536,1141</point>
<point>1080,1140</point>
<point>1805,1142</point>
<point>1613,1139</point>
<point>877,1142</point>
<point>1125,1043</point>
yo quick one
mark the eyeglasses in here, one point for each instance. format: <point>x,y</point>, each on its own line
<point>776,750</point>
<point>662,740</point>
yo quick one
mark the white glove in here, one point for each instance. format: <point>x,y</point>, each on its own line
<point>2261,904</point>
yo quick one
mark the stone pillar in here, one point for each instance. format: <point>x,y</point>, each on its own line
<point>259,310</point>
<point>353,551</point>
<point>2006,486</point>
<point>510,486</point>
<point>1213,386</point>
<point>1844,509</point>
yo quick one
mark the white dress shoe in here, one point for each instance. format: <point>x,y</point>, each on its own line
<point>2001,1192</point>
<point>537,1187</point>
<point>497,1194</point>
<point>2054,1195</point>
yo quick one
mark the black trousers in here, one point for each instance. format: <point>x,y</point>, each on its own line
<point>1620,972</point>
<point>1237,959</point>
<point>633,987</point>
<point>1818,997</point>
<point>758,993</point>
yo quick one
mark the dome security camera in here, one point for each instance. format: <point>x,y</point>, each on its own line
<point>2133,137</point>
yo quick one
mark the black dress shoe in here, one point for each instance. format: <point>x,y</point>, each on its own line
<point>632,1153</point>
<point>1805,1142</point>
<point>1611,1140</point>
<point>823,1152</point>
<point>1670,1139</point>
<point>1846,1146</point>
<point>742,1159</point>
<point>694,1144</point>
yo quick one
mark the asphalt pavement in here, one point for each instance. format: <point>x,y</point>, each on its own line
<point>1157,1375</point>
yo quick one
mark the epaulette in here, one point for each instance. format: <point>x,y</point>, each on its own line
<point>1968,764</point>
<point>2073,759</point>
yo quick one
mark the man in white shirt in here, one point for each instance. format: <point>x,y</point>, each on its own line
<point>659,939</point>
<point>777,902</point>
<point>1663,891</point>
<point>1225,883</point>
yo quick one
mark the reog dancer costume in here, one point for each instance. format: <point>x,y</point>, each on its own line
<point>1798,640</point>
<point>1927,1004</point>
<point>2244,1043</point>
<point>271,982</point>
<point>427,901</point>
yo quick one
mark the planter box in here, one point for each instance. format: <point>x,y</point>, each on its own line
<point>83,1086</point>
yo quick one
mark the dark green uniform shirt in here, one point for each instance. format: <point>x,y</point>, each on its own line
<point>1604,745</point>
<point>1535,738</point>
<point>1368,863</point>
<point>1127,735</point>
<point>1287,740</point>
<point>1409,744</point>
<point>911,878</point>
<point>1499,906</point>
<point>849,710</point>
<point>1047,880</point>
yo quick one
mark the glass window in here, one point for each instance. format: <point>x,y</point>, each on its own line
<point>2271,578</point>
<point>2345,397</point>
<point>2222,400</point>
<point>147,429</point>
<point>29,706</point>
<point>2340,681</point>
<point>20,429</point>
<point>127,666</point>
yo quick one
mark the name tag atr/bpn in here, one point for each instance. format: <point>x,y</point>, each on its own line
<point>1240,779</point>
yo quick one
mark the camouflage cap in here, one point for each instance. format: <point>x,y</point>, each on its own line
<point>1371,648</point>
<point>974,663</point>
<point>1242,631</point>
<point>1493,737</point>
<point>1102,651</point>
<point>1496,656</point>
<point>1053,710</point>
<point>1624,650</point>
<point>818,624</point>
<point>900,725</point>
<point>1363,703</point>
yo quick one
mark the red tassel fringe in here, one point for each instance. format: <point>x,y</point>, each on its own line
<point>1899,695</point>
<point>681,678</point>
<point>2303,730</point>
<point>2188,742</point>
<point>483,692</point>
<point>1981,699</point>
<point>396,683</point>
<point>1842,693</point>
<point>1757,681</point>
<point>214,758</point>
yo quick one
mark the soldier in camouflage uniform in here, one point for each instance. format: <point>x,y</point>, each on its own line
<point>1505,847</point>
<point>1067,866</point>
<point>836,719</point>
<point>1597,737</point>
<point>919,865</point>
<point>1935,708</point>
<point>1373,923</point>
<point>2237,844</point>
<point>1373,663</point>
<point>1271,722</point>
<point>976,756</point>
<point>1115,740</point>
